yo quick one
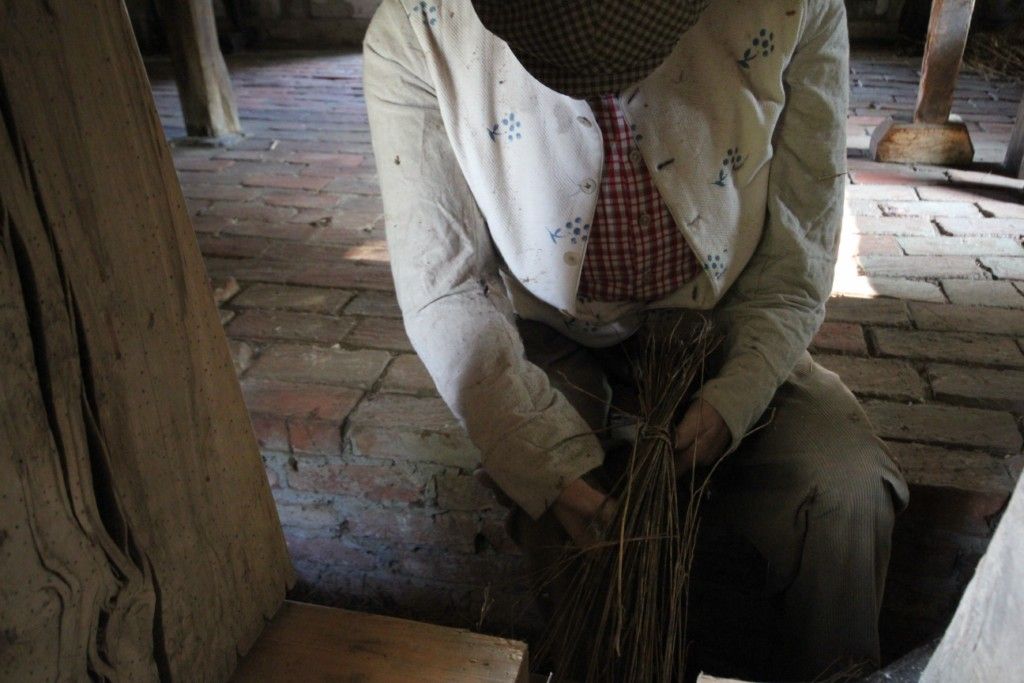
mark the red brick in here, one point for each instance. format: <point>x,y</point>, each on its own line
<point>946,425</point>
<point>286,182</point>
<point>381,483</point>
<point>318,365</point>
<point>231,246</point>
<point>982,226</point>
<point>251,211</point>
<point>381,304</point>
<point>299,200</point>
<point>308,401</point>
<point>877,192</point>
<point>978,386</point>
<point>321,552</point>
<point>912,225</point>
<point>316,516</point>
<point>867,311</point>
<point>315,437</point>
<point>950,318</point>
<point>290,326</point>
<point>463,492</point>
<point>840,337</point>
<point>876,377</point>
<point>200,164</point>
<point>271,432</point>
<point>929,209</point>
<point>275,231</point>
<point>450,448</point>
<point>922,266</point>
<point>997,209</point>
<point>212,191</point>
<point>1006,267</point>
<point>960,246</point>
<point>983,293</point>
<point>327,160</point>
<point>955,509</point>
<point>408,375</point>
<point>379,333</point>
<point>961,347</point>
<point>454,530</point>
<point>956,469</point>
<point>406,412</point>
<point>303,299</point>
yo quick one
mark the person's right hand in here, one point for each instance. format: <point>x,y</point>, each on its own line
<point>583,510</point>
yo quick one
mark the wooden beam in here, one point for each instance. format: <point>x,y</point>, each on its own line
<point>1015,152</point>
<point>948,26</point>
<point>312,643</point>
<point>204,85</point>
<point>932,137</point>
<point>138,536</point>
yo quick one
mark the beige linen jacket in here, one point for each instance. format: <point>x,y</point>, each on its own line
<point>490,186</point>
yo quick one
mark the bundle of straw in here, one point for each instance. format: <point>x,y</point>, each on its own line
<point>622,616</point>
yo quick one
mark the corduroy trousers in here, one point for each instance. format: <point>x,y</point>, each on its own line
<point>796,528</point>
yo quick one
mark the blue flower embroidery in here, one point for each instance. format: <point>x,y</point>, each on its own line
<point>428,12</point>
<point>732,162</point>
<point>578,231</point>
<point>509,127</point>
<point>715,265</point>
<point>762,46</point>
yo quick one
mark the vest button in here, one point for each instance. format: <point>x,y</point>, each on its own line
<point>636,158</point>
<point>644,220</point>
<point>571,258</point>
<point>588,186</point>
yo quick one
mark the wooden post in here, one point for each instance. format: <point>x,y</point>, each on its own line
<point>204,84</point>
<point>138,536</point>
<point>932,138</point>
<point>1015,152</point>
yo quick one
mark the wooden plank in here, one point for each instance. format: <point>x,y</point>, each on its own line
<point>144,541</point>
<point>983,640</point>
<point>942,144</point>
<point>1015,152</point>
<point>312,643</point>
<point>204,86</point>
<point>948,27</point>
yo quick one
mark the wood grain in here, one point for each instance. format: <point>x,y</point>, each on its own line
<point>1015,152</point>
<point>948,26</point>
<point>138,537</point>
<point>204,85</point>
<point>312,643</point>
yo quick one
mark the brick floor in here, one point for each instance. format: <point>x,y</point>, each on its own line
<point>370,469</point>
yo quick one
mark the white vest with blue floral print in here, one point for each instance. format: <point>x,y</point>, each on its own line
<point>533,158</point>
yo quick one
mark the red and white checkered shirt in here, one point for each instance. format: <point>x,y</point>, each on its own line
<point>635,251</point>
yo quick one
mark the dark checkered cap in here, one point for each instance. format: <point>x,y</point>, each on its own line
<point>589,47</point>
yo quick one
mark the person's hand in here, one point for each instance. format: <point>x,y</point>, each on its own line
<point>702,437</point>
<point>582,509</point>
<point>577,509</point>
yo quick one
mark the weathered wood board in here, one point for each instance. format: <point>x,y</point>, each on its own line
<point>138,537</point>
<point>948,27</point>
<point>1015,150</point>
<point>312,643</point>
<point>204,85</point>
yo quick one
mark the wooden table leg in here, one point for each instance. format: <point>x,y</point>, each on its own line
<point>931,137</point>
<point>1015,152</point>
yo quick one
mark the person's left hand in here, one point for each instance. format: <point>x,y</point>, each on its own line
<point>701,437</point>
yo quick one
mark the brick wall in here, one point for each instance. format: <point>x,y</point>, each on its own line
<point>309,24</point>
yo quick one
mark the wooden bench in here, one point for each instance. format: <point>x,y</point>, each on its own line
<point>310,643</point>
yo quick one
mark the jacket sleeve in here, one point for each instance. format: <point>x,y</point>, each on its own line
<point>455,307</point>
<point>775,307</point>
